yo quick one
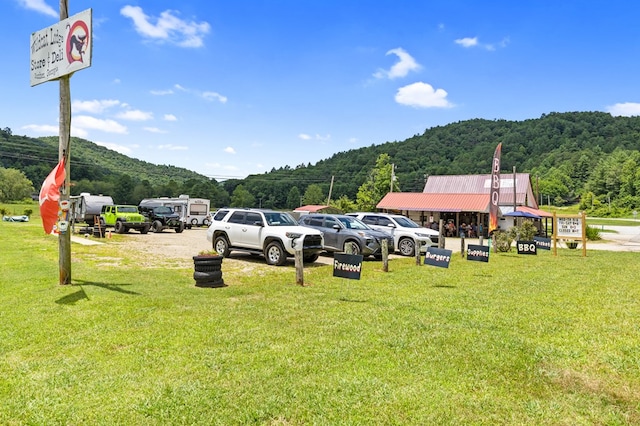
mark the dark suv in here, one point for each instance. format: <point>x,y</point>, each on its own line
<point>162,217</point>
<point>341,231</point>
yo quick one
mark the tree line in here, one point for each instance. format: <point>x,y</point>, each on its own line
<point>589,158</point>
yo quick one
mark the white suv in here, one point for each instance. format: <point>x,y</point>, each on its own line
<point>272,233</point>
<point>404,231</point>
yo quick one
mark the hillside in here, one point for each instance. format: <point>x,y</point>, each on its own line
<point>36,157</point>
<point>562,149</point>
<point>569,154</point>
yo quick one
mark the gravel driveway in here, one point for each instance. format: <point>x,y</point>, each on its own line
<point>181,247</point>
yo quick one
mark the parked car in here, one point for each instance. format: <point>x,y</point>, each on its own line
<point>274,234</point>
<point>341,231</point>
<point>404,231</point>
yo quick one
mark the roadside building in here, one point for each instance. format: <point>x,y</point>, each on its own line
<point>464,199</point>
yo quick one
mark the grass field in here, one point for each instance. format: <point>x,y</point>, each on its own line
<point>524,340</point>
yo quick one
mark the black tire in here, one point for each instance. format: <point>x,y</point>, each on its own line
<point>180,228</point>
<point>156,226</point>
<point>206,222</point>
<point>194,222</point>
<point>207,276</point>
<point>310,258</point>
<point>120,228</point>
<point>274,254</point>
<point>144,229</point>
<point>355,247</point>
<point>407,247</point>
<point>221,245</point>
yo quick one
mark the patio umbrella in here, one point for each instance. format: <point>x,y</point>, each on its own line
<point>522,214</point>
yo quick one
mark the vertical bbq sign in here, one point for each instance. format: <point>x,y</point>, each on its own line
<point>61,49</point>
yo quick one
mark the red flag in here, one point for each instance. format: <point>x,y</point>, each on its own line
<point>495,189</point>
<point>49,196</point>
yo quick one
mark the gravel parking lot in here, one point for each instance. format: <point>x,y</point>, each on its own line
<point>181,247</point>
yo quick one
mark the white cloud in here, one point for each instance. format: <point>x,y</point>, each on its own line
<point>109,126</point>
<point>161,92</point>
<point>317,137</point>
<point>322,138</point>
<point>353,140</point>
<point>229,150</point>
<point>626,109</point>
<point>170,117</point>
<point>95,106</point>
<point>467,41</point>
<point>167,27</point>
<point>46,129</point>
<point>39,6</point>
<point>210,96</point>
<point>304,136</point>
<point>115,147</point>
<point>154,130</point>
<point>422,95</point>
<point>135,115</point>
<point>400,68</point>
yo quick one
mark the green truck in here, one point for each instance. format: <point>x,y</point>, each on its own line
<point>123,218</point>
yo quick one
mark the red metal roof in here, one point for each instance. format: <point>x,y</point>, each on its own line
<point>311,208</point>
<point>439,202</point>
<point>537,212</point>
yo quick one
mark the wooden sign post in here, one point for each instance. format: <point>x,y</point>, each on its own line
<point>572,228</point>
<point>57,52</point>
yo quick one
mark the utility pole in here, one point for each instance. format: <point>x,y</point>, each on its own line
<point>64,238</point>
<point>514,188</point>
<point>393,176</point>
<point>330,189</point>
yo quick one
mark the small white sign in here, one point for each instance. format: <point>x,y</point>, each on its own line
<point>61,49</point>
<point>569,227</point>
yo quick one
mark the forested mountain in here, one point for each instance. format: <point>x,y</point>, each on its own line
<point>97,169</point>
<point>568,155</point>
<point>591,156</point>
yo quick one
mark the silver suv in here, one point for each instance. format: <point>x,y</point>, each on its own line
<point>404,231</point>
<point>274,234</point>
<point>342,231</point>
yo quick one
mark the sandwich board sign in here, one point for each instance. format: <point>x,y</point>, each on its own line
<point>61,49</point>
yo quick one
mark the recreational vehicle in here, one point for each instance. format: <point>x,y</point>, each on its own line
<point>192,211</point>
<point>86,207</point>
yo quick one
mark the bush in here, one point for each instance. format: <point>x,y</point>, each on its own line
<point>526,231</point>
<point>504,239</point>
<point>593,233</point>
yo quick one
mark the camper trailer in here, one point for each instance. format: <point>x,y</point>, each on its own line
<point>86,207</point>
<point>192,211</point>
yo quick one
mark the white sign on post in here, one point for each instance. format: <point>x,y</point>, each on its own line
<point>569,227</point>
<point>61,49</point>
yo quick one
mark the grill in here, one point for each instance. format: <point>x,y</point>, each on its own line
<point>312,242</point>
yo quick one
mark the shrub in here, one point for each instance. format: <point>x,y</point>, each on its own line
<point>593,233</point>
<point>28,212</point>
<point>504,239</point>
<point>526,231</point>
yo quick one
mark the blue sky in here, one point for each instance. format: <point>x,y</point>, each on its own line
<point>237,87</point>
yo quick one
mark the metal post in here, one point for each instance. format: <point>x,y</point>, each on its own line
<point>417,244</point>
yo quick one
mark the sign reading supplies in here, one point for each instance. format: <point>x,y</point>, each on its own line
<point>347,265</point>
<point>61,49</point>
<point>437,257</point>
<point>478,253</point>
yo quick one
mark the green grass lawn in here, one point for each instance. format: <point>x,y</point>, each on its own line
<point>525,340</point>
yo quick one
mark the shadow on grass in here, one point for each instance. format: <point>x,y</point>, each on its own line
<point>445,286</point>
<point>72,298</point>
